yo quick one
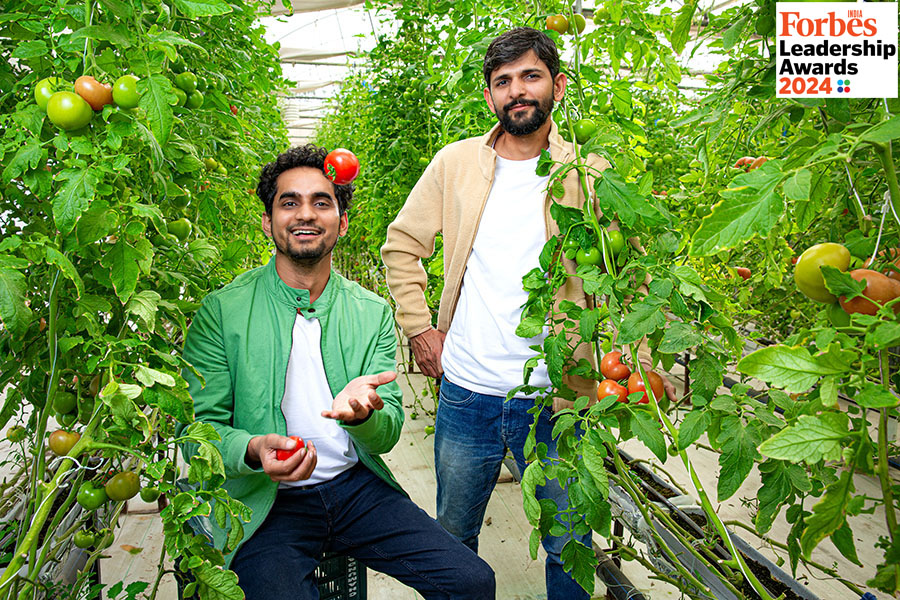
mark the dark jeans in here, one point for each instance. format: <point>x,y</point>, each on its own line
<point>471,436</point>
<point>360,515</point>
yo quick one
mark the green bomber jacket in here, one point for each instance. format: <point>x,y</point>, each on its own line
<point>239,342</point>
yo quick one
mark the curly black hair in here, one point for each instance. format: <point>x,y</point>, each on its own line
<point>510,46</point>
<point>309,155</point>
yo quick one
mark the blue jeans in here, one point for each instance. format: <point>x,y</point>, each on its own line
<point>472,434</point>
<point>360,515</point>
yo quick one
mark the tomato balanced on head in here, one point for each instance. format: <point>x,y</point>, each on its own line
<point>341,166</point>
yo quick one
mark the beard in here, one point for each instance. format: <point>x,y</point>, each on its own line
<point>305,255</point>
<point>523,126</point>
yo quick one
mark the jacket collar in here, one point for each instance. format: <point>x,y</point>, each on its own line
<point>299,298</point>
<point>560,150</point>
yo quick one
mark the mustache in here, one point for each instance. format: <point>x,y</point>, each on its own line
<point>522,102</point>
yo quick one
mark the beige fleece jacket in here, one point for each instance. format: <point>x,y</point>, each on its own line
<point>449,198</point>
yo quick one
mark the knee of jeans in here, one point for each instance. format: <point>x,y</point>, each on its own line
<point>479,581</point>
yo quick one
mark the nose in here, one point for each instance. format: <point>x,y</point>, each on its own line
<point>305,212</point>
<point>517,88</point>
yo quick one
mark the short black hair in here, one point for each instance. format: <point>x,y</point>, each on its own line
<point>309,155</point>
<point>510,46</point>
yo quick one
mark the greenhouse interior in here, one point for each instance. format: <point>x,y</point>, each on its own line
<point>676,376</point>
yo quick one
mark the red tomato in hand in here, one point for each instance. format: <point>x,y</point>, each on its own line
<point>636,384</point>
<point>608,387</point>
<point>341,166</point>
<point>286,454</point>
<point>612,367</point>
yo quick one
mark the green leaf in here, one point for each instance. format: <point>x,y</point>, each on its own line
<point>646,428</point>
<point>530,327</point>
<point>149,377</point>
<point>31,49</point>
<point>788,367</point>
<point>707,374</point>
<point>28,157</point>
<point>593,460</point>
<point>620,96</point>
<point>95,223</point>
<point>776,490</point>
<point>621,198</point>
<point>74,196</point>
<point>875,396</point>
<point>122,262</point>
<point>678,338</point>
<point>216,582</point>
<point>810,440</point>
<point>796,187</point>
<point>120,9</point>
<point>167,36</point>
<point>883,132</point>
<point>55,257</point>
<point>840,283</point>
<point>682,29</point>
<point>689,282</point>
<point>828,513</point>
<point>733,34</point>
<point>156,93</point>
<point>118,36</point>
<point>738,454</point>
<point>144,305</point>
<point>587,324</point>
<point>645,318</point>
<point>192,9</point>
<point>886,334</point>
<point>842,539</point>
<point>694,425</point>
<point>531,479</point>
<point>579,561</point>
<point>750,206</point>
<point>14,313</point>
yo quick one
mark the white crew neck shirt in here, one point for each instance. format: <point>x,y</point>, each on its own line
<point>306,395</point>
<point>482,352</point>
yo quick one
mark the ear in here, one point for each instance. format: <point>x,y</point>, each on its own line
<point>489,99</point>
<point>345,224</point>
<point>267,225</point>
<point>559,87</point>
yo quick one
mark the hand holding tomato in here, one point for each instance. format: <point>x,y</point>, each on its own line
<point>358,399</point>
<point>281,454</point>
<point>264,449</point>
<point>341,166</point>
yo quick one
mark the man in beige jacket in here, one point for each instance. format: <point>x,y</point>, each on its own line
<point>493,210</point>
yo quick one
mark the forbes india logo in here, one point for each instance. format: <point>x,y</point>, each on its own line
<point>836,50</point>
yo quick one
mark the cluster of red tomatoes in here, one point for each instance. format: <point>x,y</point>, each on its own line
<point>616,372</point>
<point>72,110</point>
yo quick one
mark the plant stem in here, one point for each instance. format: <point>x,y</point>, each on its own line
<point>887,161</point>
<point>884,477</point>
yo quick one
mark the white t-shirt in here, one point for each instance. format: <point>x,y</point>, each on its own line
<point>306,395</point>
<point>482,352</point>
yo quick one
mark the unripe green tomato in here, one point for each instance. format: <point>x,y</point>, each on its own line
<point>69,111</point>
<point>125,93</point>
<point>44,89</point>
<point>180,96</point>
<point>83,539</point>
<point>194,100</point>
<point>808,274</point>
<point>123,486</point>
<point>149,494</point>
<point>591,256</point>
<point>64,402</point>
<point>91,497</point>
<point>201,84</point>
<point>584,130</point>
<point>16,434</point>
<point>187,81</point>
<point>616,241</point>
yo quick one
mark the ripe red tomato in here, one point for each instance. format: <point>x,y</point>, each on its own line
<point>636,384</point>
<point>341,166</point>
<point>234,109</point>
<point>608,387</point>
<point>744,272</point>
<point>744,161</point>
<point>612,367</point>
<point>94,93</point>
<point>286,454</point>
<point>879,288</point>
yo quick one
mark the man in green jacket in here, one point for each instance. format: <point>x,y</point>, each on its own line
<point>295,349</point>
